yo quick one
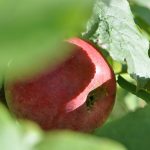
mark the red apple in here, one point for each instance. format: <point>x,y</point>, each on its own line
<point>78,94</point>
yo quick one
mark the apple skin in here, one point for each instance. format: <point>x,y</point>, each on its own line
<point>78,94</point>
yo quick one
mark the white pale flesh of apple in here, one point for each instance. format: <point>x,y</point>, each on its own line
<point>102,73</point>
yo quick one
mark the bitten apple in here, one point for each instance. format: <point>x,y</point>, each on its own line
<point>78,94</point>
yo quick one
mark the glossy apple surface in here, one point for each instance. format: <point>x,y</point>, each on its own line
<point>78,94</point>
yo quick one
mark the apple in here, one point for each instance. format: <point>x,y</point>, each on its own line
<point>78,94</point>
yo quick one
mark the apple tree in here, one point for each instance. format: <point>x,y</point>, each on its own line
<point>74,74</point>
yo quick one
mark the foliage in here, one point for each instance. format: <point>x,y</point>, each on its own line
<point>27,136</point>
<point>30,36</point>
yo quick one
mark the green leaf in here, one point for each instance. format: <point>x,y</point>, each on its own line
<point>142,17</point>
<point>16,137</point>
<point>112,27</point>
<point>133,130</point>
<point>31,31</point>
<point>66,140</point>
<point>24,135</point>
<point>145,3</point>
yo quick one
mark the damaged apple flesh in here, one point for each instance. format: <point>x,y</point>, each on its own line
<point>78,94</point>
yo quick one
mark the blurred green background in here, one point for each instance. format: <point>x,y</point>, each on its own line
<point>31,33</point>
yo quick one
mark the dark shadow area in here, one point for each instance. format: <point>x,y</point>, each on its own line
<point>141,16</point>
<point>2,96</point>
